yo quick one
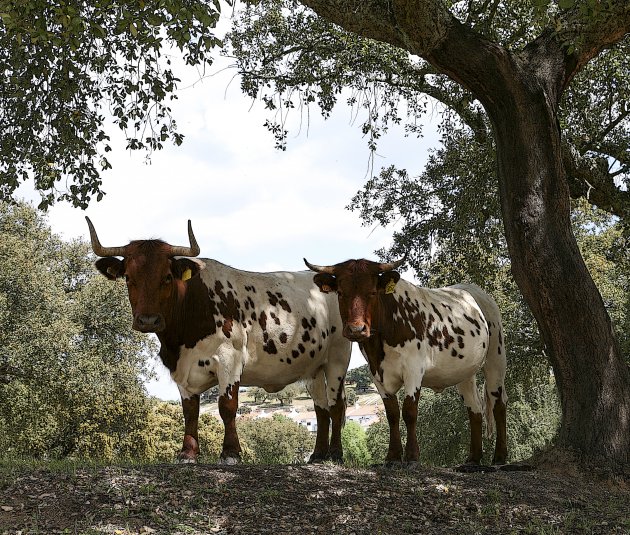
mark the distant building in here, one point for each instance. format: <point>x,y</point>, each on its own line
<point>364,415</point>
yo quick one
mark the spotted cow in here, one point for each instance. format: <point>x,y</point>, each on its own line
<point>415,337</point>
<point>221,326</point>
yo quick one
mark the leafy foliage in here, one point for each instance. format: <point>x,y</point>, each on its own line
<point>355,446</point>
<point>70,64</point>
<point>70,368</point>
<point>289,393</point>
<point>291,59</point>
<point>444,433</point>
<point>275,440</point>
<point>361,377</point>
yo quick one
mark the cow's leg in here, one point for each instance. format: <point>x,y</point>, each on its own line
<point>500,450</point>
<point>392,411</point>
<point>320,453</point>
<point>317,390</point>
<point>496,397</point>
<point>338,418</point>
<point>410,417</point>
<point>228,403</point>
<point>335,372</point>
<point>190,408</point>
<point>472,401</point>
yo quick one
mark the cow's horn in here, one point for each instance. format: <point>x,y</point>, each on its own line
<point>193,250</point>
<point>98,249</point>
<point>389,266</point>
<point>320,269</point>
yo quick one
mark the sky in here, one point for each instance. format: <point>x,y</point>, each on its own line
<point>252,206</point>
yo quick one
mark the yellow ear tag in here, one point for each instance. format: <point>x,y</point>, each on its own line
<point>187,274</point>
<point>391,287</point>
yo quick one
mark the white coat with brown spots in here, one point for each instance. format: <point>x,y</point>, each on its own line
<point>222,326</point>
<point>414,337</point>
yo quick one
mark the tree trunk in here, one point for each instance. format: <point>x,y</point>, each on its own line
<point>521,92</point>
<point>521,95</point>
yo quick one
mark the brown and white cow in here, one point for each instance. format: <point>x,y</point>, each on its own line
<point>413,337</point>
<point>221,326</point>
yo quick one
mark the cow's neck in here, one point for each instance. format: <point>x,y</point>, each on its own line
<point>191,320</point>
<point>393,331</point>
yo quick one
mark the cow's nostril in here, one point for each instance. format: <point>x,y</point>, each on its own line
<point>149,323</point>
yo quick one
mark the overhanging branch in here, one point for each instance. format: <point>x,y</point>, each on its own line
<point>589,178</point>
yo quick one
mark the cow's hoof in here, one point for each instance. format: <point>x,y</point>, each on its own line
<point>317,458</point>
<point>471,468</point>
<point>229,460</point>
<point>392,465</point>
<point>516,467</point>
<point>186,458</point>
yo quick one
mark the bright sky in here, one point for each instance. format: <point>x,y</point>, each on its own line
<point>251,206</point>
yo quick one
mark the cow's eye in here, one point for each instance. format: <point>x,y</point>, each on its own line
<point>168,279</point>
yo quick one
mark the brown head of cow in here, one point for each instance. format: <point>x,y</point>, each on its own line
<point>154,277</point>
<point>359,284</point>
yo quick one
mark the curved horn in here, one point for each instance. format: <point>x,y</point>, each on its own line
<point>389,266</point>
<point>193,250</point>
<point>98,249</point>
<point>320,269</point>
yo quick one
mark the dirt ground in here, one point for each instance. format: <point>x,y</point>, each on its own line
<point>175,499</point>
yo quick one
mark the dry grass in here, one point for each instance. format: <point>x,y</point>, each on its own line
<point>201,499</point>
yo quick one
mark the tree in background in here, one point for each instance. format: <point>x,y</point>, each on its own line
<point>275,440</point>
<point>288,394</point>
<point>71,65</point>
<point>259,394</point>
<point>71,370</point>
<point>510,79</point>
<point>360,377</point>
<point>355,446</point>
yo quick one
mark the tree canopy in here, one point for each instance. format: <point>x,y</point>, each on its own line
<point>71,67</point>
<point>71,370</point>
<point>289,58</point>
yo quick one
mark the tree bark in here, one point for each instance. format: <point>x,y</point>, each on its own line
<point>521,92</point>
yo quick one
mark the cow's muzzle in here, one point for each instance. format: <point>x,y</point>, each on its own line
<point>146,323</point>
<point>356,332</point>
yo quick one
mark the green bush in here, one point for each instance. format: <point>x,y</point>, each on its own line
<point>275,440</point>
<point>355,448</point>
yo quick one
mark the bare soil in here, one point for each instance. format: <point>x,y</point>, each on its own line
<point>307,499</point>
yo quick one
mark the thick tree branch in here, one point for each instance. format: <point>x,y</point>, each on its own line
<point>596,32</point>
<point>589,178</point>
<point>418,26</point>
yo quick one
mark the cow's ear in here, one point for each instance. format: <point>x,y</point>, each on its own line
<point>184,268</point>
<point>326,282</point>
<point>111,267</point>
<point>387,281</point>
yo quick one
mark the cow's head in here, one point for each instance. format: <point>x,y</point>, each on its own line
<point>359,284</point>
<point>154,277</point>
